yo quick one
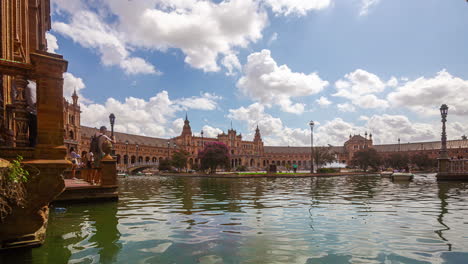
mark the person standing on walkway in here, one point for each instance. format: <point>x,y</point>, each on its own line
<point>97,143</point>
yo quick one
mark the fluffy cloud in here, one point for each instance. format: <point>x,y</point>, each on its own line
<point>202,30</point>
<point>346,107</point>
<point>71,84</point>
<point>366,5</point>
<point>232,64</point>
<point>426,95</point>
<point>296,7</point>
<point>269,83</point>
<point>360,87</point>
<point>209,131</point>
<point>274,132</point>
<point>206,101</point>
<point>87,29</point>
<point>323,101</point>
<point>52,44</point>
<point>144,117</point>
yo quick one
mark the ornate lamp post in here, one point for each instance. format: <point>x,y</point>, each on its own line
<point>168,144</point>
<point>311,124</point>
<point>112,122</point>
<point>443,149</point>
<point>137,158</point>
<point>126,150</point>
<point>399,147</point>
<point>203,146</point>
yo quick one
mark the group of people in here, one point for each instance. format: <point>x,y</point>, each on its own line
<point>89,163</point>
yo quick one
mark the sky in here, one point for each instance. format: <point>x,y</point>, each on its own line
<point>351,66</point>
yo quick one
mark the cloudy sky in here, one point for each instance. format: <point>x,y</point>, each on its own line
<point>382,66</point>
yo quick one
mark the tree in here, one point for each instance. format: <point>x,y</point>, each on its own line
<point>214,155</point>
<point>179,159</point>
<point>323,156</point>
<point>423,161</point>
<point>397,160</point>
<point>164,165</point>
<point>367,158</point>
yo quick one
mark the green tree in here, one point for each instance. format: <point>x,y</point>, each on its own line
<point>367,158</point>
<point>397,160</point>
<point>164,165</point>
<point>323,156</point>
<point>179,159</point>
<point>215,154</point>
<point>423,161</point>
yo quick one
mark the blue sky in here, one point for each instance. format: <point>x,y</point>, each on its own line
<point>382,66</point>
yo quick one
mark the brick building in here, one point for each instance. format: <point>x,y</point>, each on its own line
<point>133,150</point>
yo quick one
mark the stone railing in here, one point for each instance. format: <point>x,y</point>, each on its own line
<point>458,166</point>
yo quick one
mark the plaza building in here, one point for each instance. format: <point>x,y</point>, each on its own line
<point>133,150</point>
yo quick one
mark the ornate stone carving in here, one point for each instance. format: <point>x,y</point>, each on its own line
<point>20,113</point>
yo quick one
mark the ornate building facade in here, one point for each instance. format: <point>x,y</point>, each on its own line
<point>133,150</point>
<point>71,121</point>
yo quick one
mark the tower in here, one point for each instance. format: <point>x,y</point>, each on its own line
<point>75,98</point>
<point>257,137</point>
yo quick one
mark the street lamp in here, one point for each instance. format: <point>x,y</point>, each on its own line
<point>399,146</point>
<point>443,113</point>
<point>311,124</point>
<point>137,158</point>
<point>168,144</point>
<point>112,122</point>
<point>126,150</point>
<point>202,140</point>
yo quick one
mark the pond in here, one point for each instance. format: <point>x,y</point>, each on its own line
<point>359,219</point>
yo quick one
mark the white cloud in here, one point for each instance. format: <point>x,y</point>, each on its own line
<point>206,101</point>
<point>143,117</point>
<point>426,95</point>
<point>366,5</point>
<point>203,30</point>
<point>323,101</point>
<point>360,87</point>
<point>346,107</point>
<point>87,29</point>
<point>296,7</point>
<point>273,38</point>
<point>232,64</point>
<point>52,44</point>
<point>72,83</point>
<point>211,132</point>
<point>269,83</point>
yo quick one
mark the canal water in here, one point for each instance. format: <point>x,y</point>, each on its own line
<point>262,220</point>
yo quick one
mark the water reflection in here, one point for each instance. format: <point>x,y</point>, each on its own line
<point>261,220</point>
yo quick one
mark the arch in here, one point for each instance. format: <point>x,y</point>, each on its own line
<point>126,159</point>
<point>299,163</point>
<point>252,162</point>
<point>283,163</point>
<point>154,160</point>
<point>147,159</point>
<point>133,160</point>
<point>140,159</point>
<point>71,134</point>
<point>264,163</point>
<point>118,158</point>
<point>160,159</point>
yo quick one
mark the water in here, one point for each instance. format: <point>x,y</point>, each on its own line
<point>302,220</point>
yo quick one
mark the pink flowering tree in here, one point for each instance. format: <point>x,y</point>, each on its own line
<point>215,154</point>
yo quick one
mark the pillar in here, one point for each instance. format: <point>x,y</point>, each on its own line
<point>20,116</point>
<point>108,171</point>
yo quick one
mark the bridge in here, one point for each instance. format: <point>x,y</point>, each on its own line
<point>140,166</point>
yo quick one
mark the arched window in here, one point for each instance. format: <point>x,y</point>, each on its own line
<point>71,134</point>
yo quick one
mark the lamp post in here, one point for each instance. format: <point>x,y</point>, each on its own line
<point>112,122</point>
<point>126,153</point>
<point>311,124</point>
<point>443,149</point>
<point>202,144</point>
<point>137,158</point>
<point>399,147</point>
<point>168,144</point>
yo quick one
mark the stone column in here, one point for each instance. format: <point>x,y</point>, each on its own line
<point>108,171</point>
<point>20,112</point>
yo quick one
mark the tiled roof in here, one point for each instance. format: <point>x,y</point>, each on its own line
<point>451,144</point>
<point>296,150</point>
<point>132,139</point>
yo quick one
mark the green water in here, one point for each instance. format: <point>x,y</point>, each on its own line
<point>303,220</point>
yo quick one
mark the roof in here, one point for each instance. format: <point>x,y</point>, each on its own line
<point>357,138</point>
<point>295,150</point>
<point>132,139</point>
<point>436,145</point>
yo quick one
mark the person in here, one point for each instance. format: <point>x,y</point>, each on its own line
<point>295,167</point>
<point>74,159</point>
